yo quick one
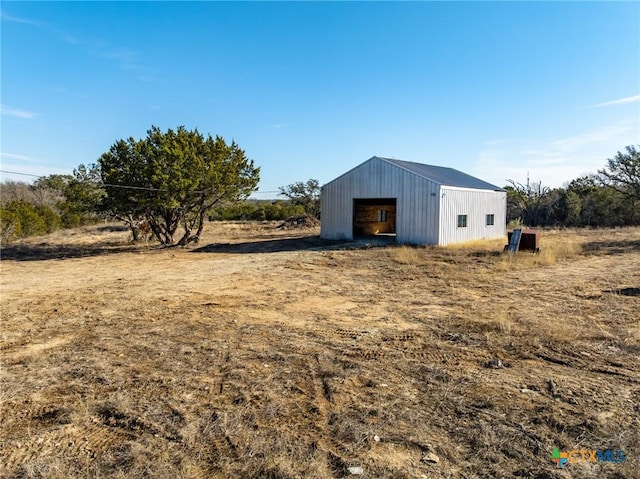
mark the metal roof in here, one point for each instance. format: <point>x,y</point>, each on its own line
<point>443,175</point>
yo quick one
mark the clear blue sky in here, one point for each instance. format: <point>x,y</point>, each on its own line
<point>310,90</point>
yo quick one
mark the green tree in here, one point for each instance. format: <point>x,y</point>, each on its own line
<point>77,196</point>
<point>304,194</point>
<point>25,218</point>
<point>52,187</point>
<point>570,206</point>
<point>600,204</point>
<point>52,221</point>
<point>82,196</point>
<point>9,226</point>
<point>622,173</point>
<point>170,179</point>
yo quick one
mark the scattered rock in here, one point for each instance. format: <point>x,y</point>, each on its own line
<point>495,363</point>
<point>430,457</point>
<point>376,438</point>
<point>356,470</point>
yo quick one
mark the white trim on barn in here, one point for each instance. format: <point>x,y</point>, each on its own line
<point>426,202</point>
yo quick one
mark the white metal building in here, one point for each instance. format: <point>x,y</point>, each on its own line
<point>419,204</point>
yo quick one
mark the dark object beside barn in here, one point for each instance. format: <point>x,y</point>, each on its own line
<point>529,241</point>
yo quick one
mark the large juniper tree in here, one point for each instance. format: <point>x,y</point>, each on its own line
<point>170,179</point>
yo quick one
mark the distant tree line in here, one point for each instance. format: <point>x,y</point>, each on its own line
<point>611,197</point>
<point>40,208</point>
<point>256,210</point>
<point>50,203</point>
<point>304,194</point>
<point>179,179</point>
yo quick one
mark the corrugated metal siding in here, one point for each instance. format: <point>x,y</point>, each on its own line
<point>476,204</point>
<point>417,205</point>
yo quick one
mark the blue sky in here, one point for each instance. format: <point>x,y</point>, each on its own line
<point>310,90</point>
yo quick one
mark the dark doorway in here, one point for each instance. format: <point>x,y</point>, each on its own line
<point>374,217</point>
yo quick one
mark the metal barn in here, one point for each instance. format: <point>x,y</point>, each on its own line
<point>416,203</point>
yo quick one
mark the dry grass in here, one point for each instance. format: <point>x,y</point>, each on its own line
<point>479,245</point>
<point>409,255</point>
<point>554,251</point>
<point>265,354</point>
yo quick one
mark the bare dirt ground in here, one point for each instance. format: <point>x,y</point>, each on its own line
<point>272,354</point>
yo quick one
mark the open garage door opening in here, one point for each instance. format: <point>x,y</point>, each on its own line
<point>374,217</point>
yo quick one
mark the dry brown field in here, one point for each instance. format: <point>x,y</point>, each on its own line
<point>272,354</point>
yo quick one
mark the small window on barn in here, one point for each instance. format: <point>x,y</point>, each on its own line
<point>490,220</point>
<point>462,221</point>
<point>382,216</point>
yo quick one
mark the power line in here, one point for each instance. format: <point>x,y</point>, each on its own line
<point>129,187</point>
<point>23,174</point>
<point>109,185</point>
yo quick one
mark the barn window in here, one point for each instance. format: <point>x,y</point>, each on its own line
<point>382,216</point>
<point>462,221</point>
<point>490,220</point>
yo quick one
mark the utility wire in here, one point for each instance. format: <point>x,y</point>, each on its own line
<point>23,174</point>
<point>129,187</point>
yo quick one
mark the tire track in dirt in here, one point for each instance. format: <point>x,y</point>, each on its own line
<point>90,440</point>
<point>219,442</point>
<point>16,343</point>
<point>55,435</point>
<point>322,388</point>
<point>371,345</point>
<point>587,361</point>
<point>394,352</point>
<point>323,397</point>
